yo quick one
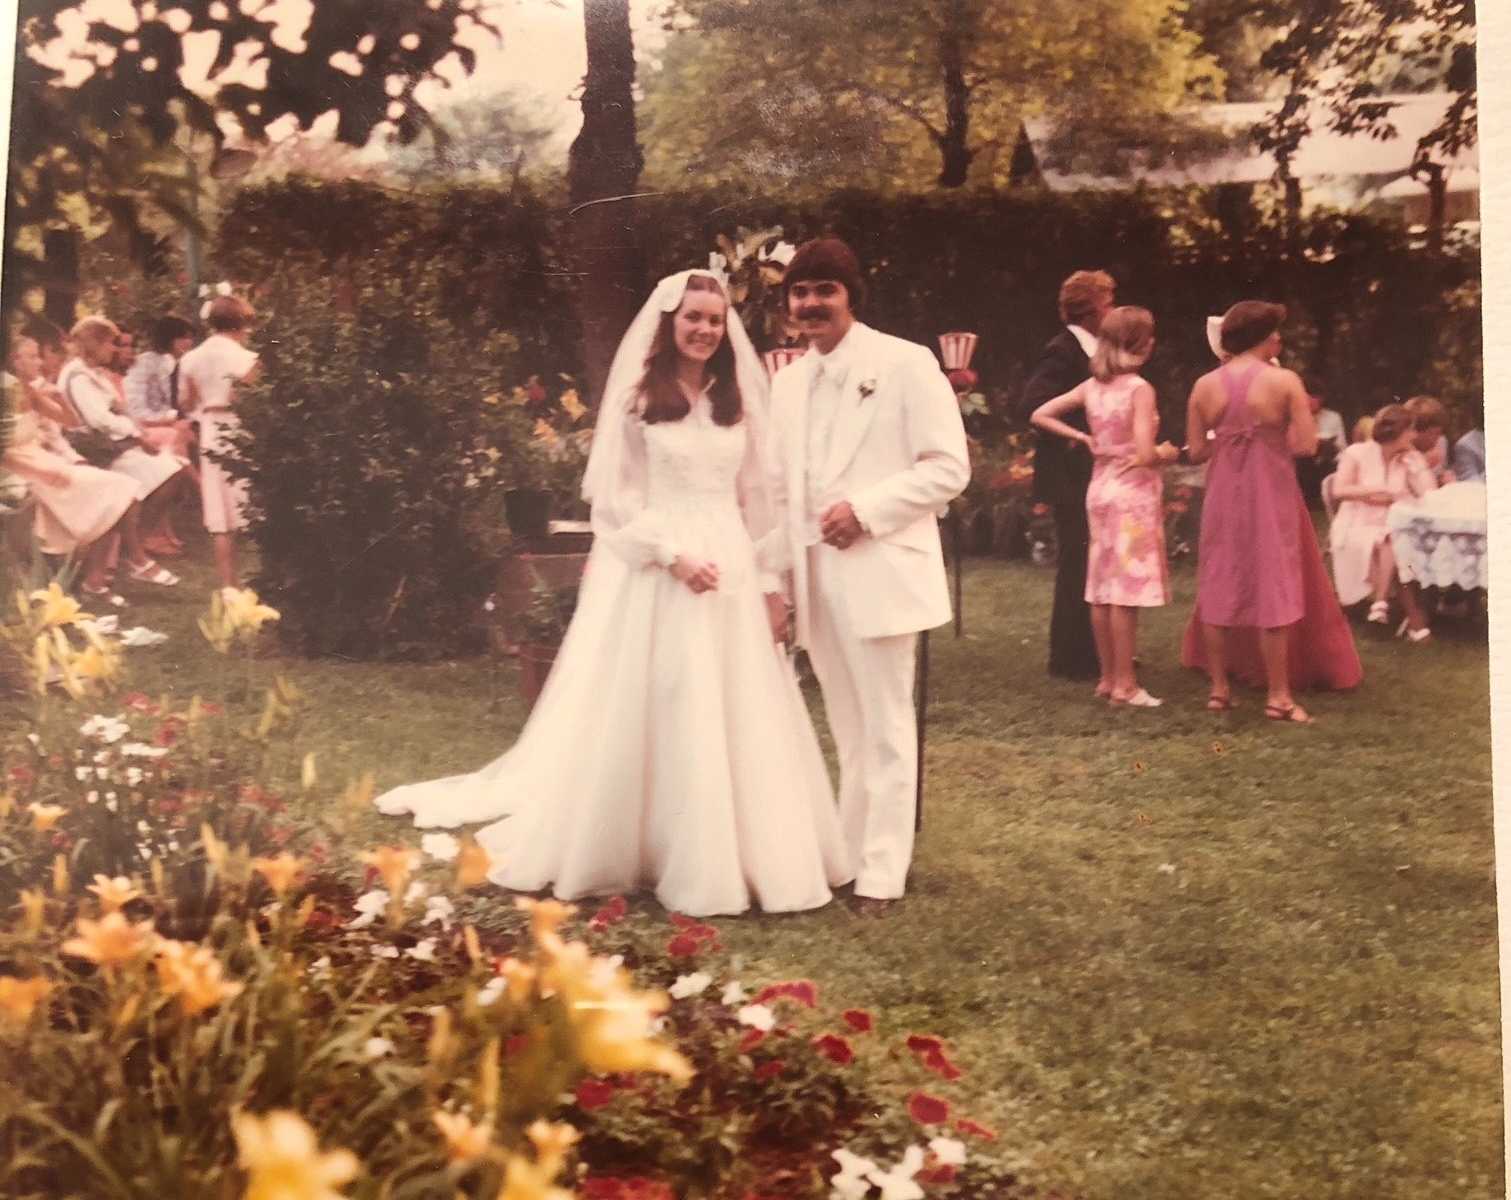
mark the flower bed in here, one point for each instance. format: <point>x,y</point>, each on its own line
<point>264,1008</point>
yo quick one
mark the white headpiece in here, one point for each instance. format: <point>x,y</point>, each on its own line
<point>614,481</point>
<point>1214,337</point>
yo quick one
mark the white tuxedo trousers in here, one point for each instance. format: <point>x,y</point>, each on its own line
<point>868,696</point>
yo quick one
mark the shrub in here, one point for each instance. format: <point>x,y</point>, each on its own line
<point>376,467</point>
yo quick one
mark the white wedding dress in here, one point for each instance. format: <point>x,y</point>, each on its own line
<point>670,748</point>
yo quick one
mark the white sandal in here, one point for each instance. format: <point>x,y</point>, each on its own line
<point>1139,699</point>
<point>1379,613</point>
<point>151,572</point>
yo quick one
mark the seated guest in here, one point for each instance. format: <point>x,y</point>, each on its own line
<point>1330,443</point>
<point>1431,437</point>
<point>151,385</point>
<point>77,505</point>
<point>160,476</point>
<point>1469,450</point>
<point>1372,476</point>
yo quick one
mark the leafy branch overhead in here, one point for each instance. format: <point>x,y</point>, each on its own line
<point>95,98</point>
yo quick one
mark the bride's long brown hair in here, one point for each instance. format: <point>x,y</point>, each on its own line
<point>664,398</point>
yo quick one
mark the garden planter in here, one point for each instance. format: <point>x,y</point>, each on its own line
<point>534,665</point>
<point>528,511</point>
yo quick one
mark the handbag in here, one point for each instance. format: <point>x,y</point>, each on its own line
<point>98,449</point>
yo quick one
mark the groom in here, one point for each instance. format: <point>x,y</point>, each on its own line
<point>869,450</point>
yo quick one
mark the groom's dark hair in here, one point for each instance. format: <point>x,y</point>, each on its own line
<point>828,258</point>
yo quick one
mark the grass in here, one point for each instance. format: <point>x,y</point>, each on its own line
<point>1179,954</point>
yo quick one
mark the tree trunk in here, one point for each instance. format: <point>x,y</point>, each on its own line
<point>956,153</point>
<point>602,168</point>
<point>60,249</point>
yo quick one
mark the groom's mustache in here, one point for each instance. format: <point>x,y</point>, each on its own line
<point>812,312</point>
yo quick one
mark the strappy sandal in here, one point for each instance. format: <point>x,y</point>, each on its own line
<point>1102,691</point>
<point>1292,714</point>
<point>1139,699</point>
<point>1379,613</point>
<point>1217,703</point>
<point>103,593</point>
<point>151,572</point>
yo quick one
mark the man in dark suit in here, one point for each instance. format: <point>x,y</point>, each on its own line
<point>1062,469</point>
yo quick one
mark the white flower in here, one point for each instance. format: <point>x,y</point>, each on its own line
<point>144,829</point>
<point>204,290</point>
<point>733,994</point>
<point>142,750</point>
<point>948,1151</point>
<point>687,986</point>
<point>385,952</point>
<point>415,891</point>
<point>34,740</point>
<point>440,846</point>
<point>92,798</point>
<point>377,1047</point>
<point>111,803</point>
<point>102,756</point>
<point>366,44</point>
<point>371,905</point>
<point>422,951</point>
<point>1166,868</point>
<point>134,776</point>
<point>439,908</point>
<point>491,991</point>
<point>758,1016</point>
<point>898,1183</point>
<point>222,288</point>
<point>101,773</point>
<point>102,625</point>
<point>781,253</point>
<point>105,729</point>
<point>321,966</point>
<point>142,636</point>
<point>204,311</point>
<point>410,41</point>
<point>82,773</point>
<point>851,1183</point>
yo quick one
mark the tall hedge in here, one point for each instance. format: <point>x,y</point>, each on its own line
<point>1373,314</point>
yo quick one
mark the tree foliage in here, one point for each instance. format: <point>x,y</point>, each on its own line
<point>93,99</point>
<point>862,92</point>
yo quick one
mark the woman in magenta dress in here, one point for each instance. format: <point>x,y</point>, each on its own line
<point>1265,608</point>
<point>1125,569</point>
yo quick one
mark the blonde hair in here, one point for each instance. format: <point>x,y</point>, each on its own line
<point>94,330</point>
<point>1364,428</point>
<point>1124,342</point>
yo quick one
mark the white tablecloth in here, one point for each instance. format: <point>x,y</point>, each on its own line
<point>1439,540</point>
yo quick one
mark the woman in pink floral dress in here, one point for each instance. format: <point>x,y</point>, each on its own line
<point>1125,503</point>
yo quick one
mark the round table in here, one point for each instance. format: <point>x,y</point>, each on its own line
<point>1439,539</point>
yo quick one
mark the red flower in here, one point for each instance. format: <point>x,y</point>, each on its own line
<point>1040,510</point>
<point>770,1070</point>
<point>931,1053</point>
<point>23,776</point>
<point>859,1020</point>
<point>611,913</point>
<point>752,1039</point>
<point>595,1093</point>
<point>210,708</point>
<point>967,1126</point>
<point>943,1173</point>
<point>927,1109</point>
<point>801,990</point>
<point>140,702</point>
<point>55,761</point>
<point>682,922</point>
<point>60,840</point>
<point>835,1048</point>
<point>319,854</point>
<point>684,945</point>
<point>166,735</point>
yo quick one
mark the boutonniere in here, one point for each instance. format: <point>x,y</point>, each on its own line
<point>867,386</point>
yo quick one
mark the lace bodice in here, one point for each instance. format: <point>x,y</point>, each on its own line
<point>693,463</point>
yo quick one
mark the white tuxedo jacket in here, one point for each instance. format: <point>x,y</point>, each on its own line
<point>898,454</point>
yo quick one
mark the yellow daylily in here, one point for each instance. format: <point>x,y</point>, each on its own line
<point>280,872</point>
<point>284,1161</point>
<point>19,997</point>
<point>472,864</point>
<point>33,911</point>
<point>113,893</point>
<point>525,1180</point>
<point>110,941</point>
<point>464,1140</point>
<point>45,816</point>
<point>546,916</point>
<point>394,865</point>
<point>194,975</point>
<point>245,611</point>
<point>551,1141</point>
<point>99,662</point>
<point>55,607</point>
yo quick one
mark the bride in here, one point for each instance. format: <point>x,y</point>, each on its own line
<point>670,747</point>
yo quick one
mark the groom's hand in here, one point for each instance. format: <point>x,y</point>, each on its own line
<point>839,526</point>
<point>777,612</point>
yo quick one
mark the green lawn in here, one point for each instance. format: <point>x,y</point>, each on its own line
<point>1178,954</point>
